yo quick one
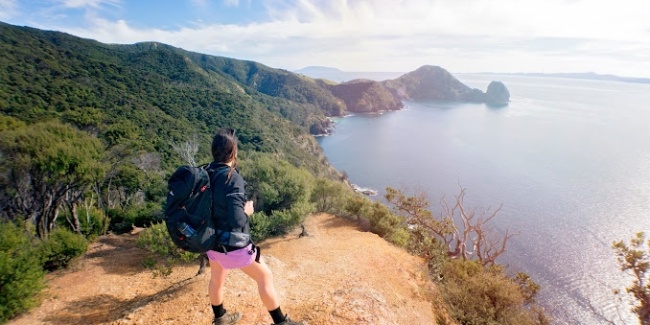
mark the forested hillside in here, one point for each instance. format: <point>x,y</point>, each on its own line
<point>152,95</point>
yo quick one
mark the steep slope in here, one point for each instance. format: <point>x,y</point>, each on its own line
<point>432,83</point>
<point>151,94</point>
<point>337,275</point>
<point>273,82</point>
<point>366,96</point>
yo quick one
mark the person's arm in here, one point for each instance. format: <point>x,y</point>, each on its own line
<point>236,202</point>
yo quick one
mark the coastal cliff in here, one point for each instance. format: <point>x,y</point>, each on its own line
<point>426,83</point>
<point>366,96</point>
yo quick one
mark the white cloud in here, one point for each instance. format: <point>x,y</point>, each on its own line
<point>8,8</point>
<point>200,3</point>
<point>76,4</point>
<point>231,3</point>
<point>463,36</point>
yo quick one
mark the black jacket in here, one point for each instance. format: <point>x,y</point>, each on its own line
<point>228,199</point>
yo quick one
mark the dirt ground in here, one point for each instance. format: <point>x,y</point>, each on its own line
<point>336,275</point>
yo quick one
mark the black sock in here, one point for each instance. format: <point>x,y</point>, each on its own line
<point>277,315</point>
<point>218,311</point>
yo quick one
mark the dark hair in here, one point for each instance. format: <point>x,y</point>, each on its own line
<point>224,148</point>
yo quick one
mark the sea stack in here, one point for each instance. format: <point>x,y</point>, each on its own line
<point>497,94</point>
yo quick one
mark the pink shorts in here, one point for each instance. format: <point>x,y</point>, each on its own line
<point>235,259</point>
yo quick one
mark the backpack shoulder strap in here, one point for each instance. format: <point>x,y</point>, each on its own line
<point>220,168</point>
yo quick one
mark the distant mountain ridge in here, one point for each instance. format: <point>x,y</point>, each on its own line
<point>577,75</point>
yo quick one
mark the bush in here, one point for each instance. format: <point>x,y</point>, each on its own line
<point>432,250</point>
<point>480,295</point>
<point>261,226</point>
<point>94,222</point>
<point>165,254</point>
<point>634,259</point>
<point>274,184</point>
<point>357,207</point>
<point>145,215</point>
<point>61,247</point>
<point>330,196</point>
<point>379,219</point>
<point>156,240</point>
<point>21,274</point>
<point>280,222</point>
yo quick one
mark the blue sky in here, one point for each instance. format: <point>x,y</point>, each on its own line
<point>602,36</point>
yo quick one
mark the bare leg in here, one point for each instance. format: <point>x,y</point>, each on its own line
<point>217,278</point>
<point>261,273</point>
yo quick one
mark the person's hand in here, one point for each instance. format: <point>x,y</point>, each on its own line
<point>248,208</point>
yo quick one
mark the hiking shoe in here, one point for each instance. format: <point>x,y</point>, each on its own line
<point>227,319</point>
<point>288,321</point>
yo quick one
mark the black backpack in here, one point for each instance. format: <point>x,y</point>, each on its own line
<point>188,213</point>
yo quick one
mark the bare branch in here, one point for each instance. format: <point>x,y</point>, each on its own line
<point>472,237</point>
<point>188,149</point>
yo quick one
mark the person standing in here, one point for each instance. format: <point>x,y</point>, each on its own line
<point>230,211</point>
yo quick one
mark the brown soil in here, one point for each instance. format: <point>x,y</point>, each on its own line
<point>336,275</point>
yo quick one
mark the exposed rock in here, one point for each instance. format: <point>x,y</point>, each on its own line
<point>366,96</point>
<point>497,94</point>
<point>321,127</point>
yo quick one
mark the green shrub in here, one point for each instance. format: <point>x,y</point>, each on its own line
<point>377,218</point>
<point>330,196</point>
<point>156,190</point>
<point>164,254</point>
<point>123,220</point>
<point>399,236</point>
<point>357,208</point>
<point>480,295</point>
<point>61,247</point>
<point>386,224</point>
<point>94,222</point>
<point>21,274</point>
<point>261,226</point>
<point>156,240</point>
<point>280,222</point>
<point>275,184</point>
<point>432,250</point>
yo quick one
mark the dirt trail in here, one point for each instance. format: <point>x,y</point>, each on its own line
<point>337,275</point>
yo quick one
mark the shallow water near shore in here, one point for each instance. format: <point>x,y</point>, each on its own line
<point>568,161</point>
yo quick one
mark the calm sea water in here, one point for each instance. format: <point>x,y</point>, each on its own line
<point>568,160</point>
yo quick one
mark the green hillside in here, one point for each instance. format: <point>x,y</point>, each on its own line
<point>151,95</point>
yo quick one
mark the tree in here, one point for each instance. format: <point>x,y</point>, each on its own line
<point>274,184</point>
<point>42,166</point>
<point>329,196</point>
<point>21,271</point>
<point>188,149</point>
<point>474,236</point>
<point>633,259</point>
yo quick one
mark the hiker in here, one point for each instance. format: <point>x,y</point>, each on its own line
<point>231,210</point>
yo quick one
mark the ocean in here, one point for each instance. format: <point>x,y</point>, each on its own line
<point>567,160</point>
